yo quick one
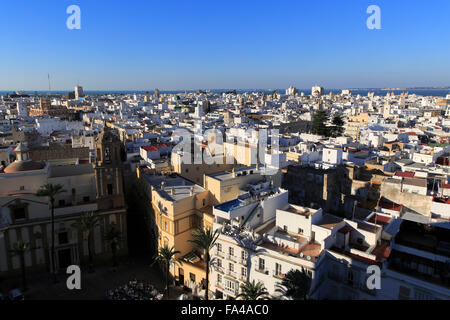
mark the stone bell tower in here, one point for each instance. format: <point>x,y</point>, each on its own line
<point>108,170</point>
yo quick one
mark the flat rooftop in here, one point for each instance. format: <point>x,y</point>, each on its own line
<point>173,188</point>
<point>298,210</point>
<point>329,221</point>
<point>228,175</point>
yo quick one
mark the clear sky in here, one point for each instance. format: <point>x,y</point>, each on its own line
<point>196,44</point>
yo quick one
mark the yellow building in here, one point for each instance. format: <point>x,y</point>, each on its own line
<point>180,207</point>
<point>355,123</point>
<point>228,185</point>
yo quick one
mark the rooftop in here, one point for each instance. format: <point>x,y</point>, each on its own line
<point>173,188</point>
<point>329,221</point>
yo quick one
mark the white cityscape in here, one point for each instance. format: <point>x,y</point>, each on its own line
<point>311,194</point>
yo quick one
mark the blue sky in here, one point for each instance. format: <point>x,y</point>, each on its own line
<point>191,44</point>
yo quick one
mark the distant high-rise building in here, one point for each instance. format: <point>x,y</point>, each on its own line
<point>78,92</point>
<point>317,91</point>
<point>291,91</point>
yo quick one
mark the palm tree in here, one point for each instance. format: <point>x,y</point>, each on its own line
<point>51,191</point>
<point>253,291</point>
<point>205,239</point>
<point>86,224</point>
<point>296,285</point>
<point>166,256</point>
<point>113,236</point>
<point>19,249</point>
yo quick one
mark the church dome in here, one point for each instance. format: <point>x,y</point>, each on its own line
<point>20,166</point>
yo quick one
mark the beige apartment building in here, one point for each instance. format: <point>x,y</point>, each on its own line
<point>228,185</point>
<point>180,207</point>
<point>355,124</point>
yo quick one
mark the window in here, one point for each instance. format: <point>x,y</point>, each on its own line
<point>22,187</point>
<point>187,170</point>
<point>19,213</point>
<point>219,263</point>
<point>350,276</point>
<point>231,251</point>
<point>285,228</point>
<point>62,202</point>
<point>86,199</point>
<point>219,247</point>
<point>277,269</point>
<point>219,278</point>
<point>244,271</point>
<point>63,237</point>
<point>110,189</point>
<point>107,154</point>
<point>204,202</point>
<point>403,293</point>
<point>192,276</point>
<point>261,265</point>
<point>231,285</point>
<point>165,226</point>
<point>300,230</point>
<point>231,267</point>
<point>244,255</point>
<point>422,295</point>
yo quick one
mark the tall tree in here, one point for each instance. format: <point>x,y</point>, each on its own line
<point>319,121</point>
<point>205,239</point>
<point>338,126</point>
<point>51,191</point>
<point>86,224</point>
<point>296,285</point>
<point>166,256</point>
<point>253,291</point>
<point>113,236</point>
<point>19,249</point>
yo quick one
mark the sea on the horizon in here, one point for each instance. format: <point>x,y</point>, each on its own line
<point>362,92</point>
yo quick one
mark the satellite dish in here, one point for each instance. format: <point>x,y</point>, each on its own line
<point>308,257</point>
<point>301,254</point>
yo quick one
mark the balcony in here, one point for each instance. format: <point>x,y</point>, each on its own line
<point>243,261</point>
<point>264,271</point>
<point>220,254</point>
<point>243,277</point>
<point>232,258</point>
<point>232,273</point>
<point>219,269</point>
<point>277,275</point>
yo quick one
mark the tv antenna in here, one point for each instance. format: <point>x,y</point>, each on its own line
<point>49,87</point>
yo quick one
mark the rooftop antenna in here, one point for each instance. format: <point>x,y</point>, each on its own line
<point>49,87</point>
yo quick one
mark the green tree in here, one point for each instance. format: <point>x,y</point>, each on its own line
<point>166,256</point>
<point>253,291</point>
<point>205,239</point>
<point>319,121</point>
<point>51,191</point>
<point>19,249</point>
<point>296,285</point>
<point>338,126</point>
<point>113,236</point>
<point>86,224</point>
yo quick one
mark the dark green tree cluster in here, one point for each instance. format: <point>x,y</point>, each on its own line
<point>319,125</point>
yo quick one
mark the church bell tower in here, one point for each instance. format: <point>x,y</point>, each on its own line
<point>108,170</point>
